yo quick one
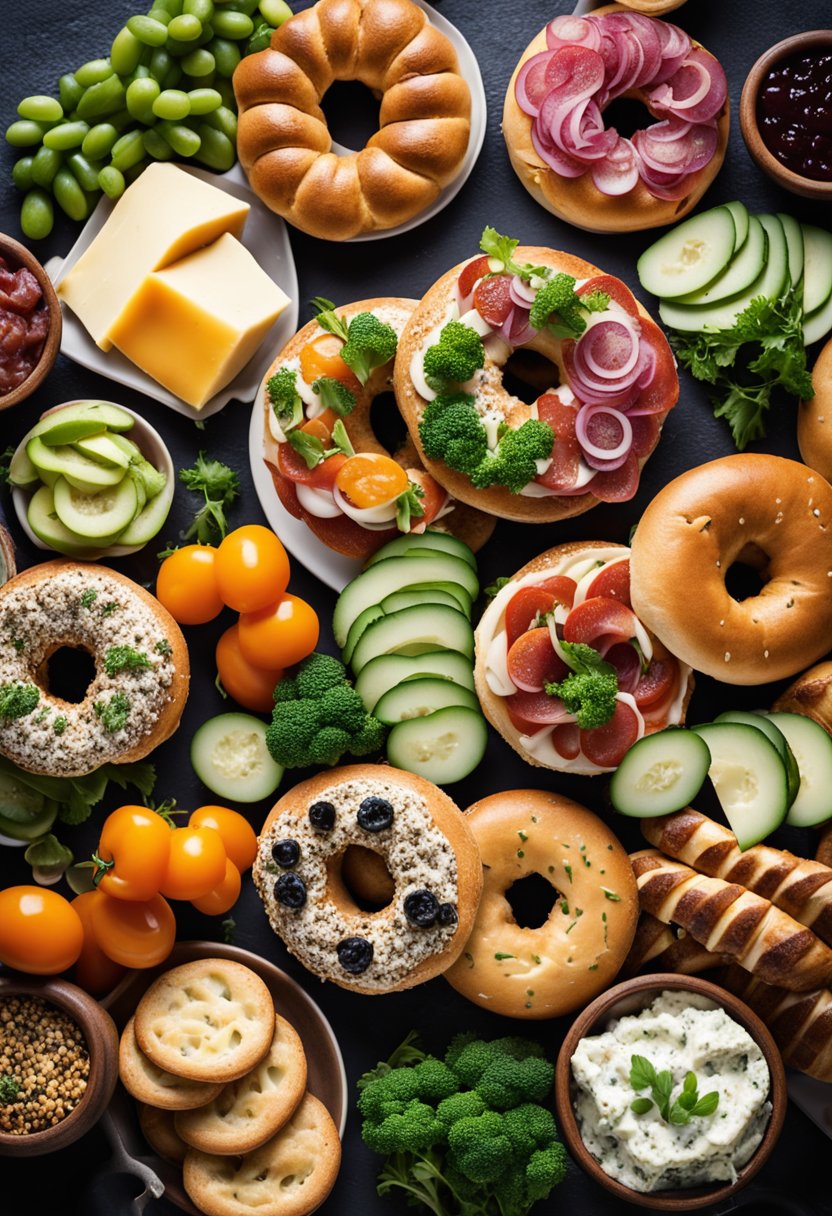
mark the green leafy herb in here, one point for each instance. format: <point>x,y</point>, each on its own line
<point>18,700</point>
<point>494,589</point>
<point>114,713</point>
<point>9,1088</point>
<point>48,858</point>
<point>164,648</point>
<point>18,644</point>
<point>334,395</point>
<point>341,440</point>
<point>110,607</point>
<point>124,658</point>
<point>409,506</point>
<point>328,319</point>
<point>229,930</point>
<point>312,450</point>
<point>219,486</point>
<point>285,398</point>
<point>687,1104</point>
<point>59,725</point>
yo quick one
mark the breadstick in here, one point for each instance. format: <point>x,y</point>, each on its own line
<point>800,1023</point>
<point>657,944</point>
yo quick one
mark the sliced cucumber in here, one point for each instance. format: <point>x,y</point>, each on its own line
<point>99,517</point>
<point>392,574</point>
<point>794,245</point>
<point>431,539</point>
<point>660,774</point>
<point>102,450</point>
<point>25,814</point>
<point>749,778</point>
<point>817,268</point>
<point>413,631</point>
<point>690,256</point>
<point>744,267</point>
<point>421,595</point>
<point>21,470</point>
<point>46,526</point>
<point>230,757</point>
<point>764,723</point>
<point>777,257</point>
<point>84,418</point>
<point>67,462</point>
<point>812,749</point>
<point>389,670</point>
<point>462,597</point>
<point>418,698</point>
<point>739,213</point>
<point>443,747</point>
<point>818,325</point>
<point>149,521</point>
<point>127,446</point>
<point>365,618</point>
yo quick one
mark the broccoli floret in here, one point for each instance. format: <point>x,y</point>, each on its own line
<point>479,1148</point>
<point>507,1082</point>
<point>318,717</point>
<point>334,395</point>
<point>451,430</point>
<point>469,1057</point>
<point>435,1080</point>
<point>370,344</point>
<point>589,691</point>
<point>466,1104</point>
<point>556,307</point>
<point>18,700</point>
<point>415,1129</point>
<point>529,1127</point>
<point>455,357</point>
<point>285,399</point>
<point>546,1169</point>
<point>513,464</point>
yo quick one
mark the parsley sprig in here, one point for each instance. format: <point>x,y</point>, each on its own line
<point>219,486</point>
<point>687,1104</point>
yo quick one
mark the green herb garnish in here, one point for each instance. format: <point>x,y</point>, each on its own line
<point>18,700</point>
<point>124,658</point>
<point>114,713</point>
<point>219,486</point>
<point>680,1110</point>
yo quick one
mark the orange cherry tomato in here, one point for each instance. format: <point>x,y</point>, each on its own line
<point>196,863</point>
<point>40,931</point>
<point>432,501</point>
<point>187,586</point>
<point>132,933</point>
<point>252,568</point>
<point>132,856</point>
<point>322,357</point>
<point>250,686</point>
<point>320,426</point>
<point>94,971</point>
<point>371,478</point>
<point>237,834</point>
<point>223,896</point>
<point>280,635</point>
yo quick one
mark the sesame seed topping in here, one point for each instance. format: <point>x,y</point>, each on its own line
<point>765,654</point>
<point>727,656</point>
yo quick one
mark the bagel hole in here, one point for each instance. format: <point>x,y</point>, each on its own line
<point>387,423</point>
<point>744,581</point>
<point>68,673</point>
<point>351,112</point>
<point>627,115</point>
<point>361,878</point>
<point>531,899</point>
<point>527,374</point>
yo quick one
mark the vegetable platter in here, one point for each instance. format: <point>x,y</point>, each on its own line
<point>37,53</point>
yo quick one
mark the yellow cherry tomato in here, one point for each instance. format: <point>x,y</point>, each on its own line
<point>187,585</point>
<point>134,933</point>
<point>252,568</point>
<point>132,855</point>
<point>94,971</point>
<point>196,863</point>
<point>250,686</point>
<point>370,478</point>
<point>237,834</point>
<point>279,635</point>
<point>224,896</point>
<point>40,932</point>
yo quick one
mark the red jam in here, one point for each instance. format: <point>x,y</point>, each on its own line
<point>794,113</point>
<point>24,322</point>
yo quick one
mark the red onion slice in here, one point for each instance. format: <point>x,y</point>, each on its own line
<point>685,90</point>
<point>531,85</point>
<point>617,173</point>
<point>609,349</point>
<point>606,466</point>
<point>568,30</point>
<point>521,293</point>
<point>560,162</point>
<point>603,433</point>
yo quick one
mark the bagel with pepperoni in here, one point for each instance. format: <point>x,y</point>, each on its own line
<point>566,671</point>
<point>603,372</point>
<point>328,467</point>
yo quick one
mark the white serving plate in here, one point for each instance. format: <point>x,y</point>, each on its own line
<point>266,239</point>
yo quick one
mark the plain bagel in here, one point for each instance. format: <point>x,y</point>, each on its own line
<point>577,951</point>
<point>576,199</point>
<point>284,143</point>
<point>814,418</point>
<point>763,511</point>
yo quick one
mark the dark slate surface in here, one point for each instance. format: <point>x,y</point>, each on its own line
<point>39,44</point>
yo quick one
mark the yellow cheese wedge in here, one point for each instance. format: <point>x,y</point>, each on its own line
<point>165,215</point>
<point>195,324</point>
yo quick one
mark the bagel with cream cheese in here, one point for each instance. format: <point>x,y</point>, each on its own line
<point>591,176</point>
<point>814,418</point>
<point>574,593</point>
<point>313,487</point>
<point>605,377</point>
<point>758,510</point>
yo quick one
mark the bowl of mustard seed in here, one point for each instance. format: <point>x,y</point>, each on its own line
<point>58,1064</point>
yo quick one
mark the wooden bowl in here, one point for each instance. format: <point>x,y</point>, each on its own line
<point>20,255</point>
<point>102,1044</point>
<point>766,160</point>
<point>631,997</point>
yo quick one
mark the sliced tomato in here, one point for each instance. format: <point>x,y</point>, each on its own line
<point>617,485</point>
<point>613,581</point>
<point>432,501</point>
<point>492,299</point>
<point>646,431</point>
<point>522,609</point>
<point>532,661</point>
<point>627,663</point>
<point>324,474</point>
<point>322,357</point>
<point>535,709</point>
<point>566,740</point>
<point>562,587</point>
<point>469,275</point>
<point>599,617</point>
<point>292,466</point>
<point>659,682</point>
<point>662,392</point>
<point>614,288</point>
<point>606,745</point>
<point>566,452</point>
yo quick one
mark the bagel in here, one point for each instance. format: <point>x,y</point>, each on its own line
<point>537,725</point>
<point>428,849</point>
<point>283,141</point>
<point>814,418</point>
<point>762,511</point>
<point>810,695</point>
<point>331,525</point>
<point>544,972</point>
<point>653,8</point>
<point>559,401</point>
<point>577,199</point>
<point>128,710</point>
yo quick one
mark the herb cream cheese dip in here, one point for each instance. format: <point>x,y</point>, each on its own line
<point>683,1033</point>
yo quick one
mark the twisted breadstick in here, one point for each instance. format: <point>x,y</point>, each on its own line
<point>800,887</point>
<point>824,849</point>
<point>728,919</point>
<point>800,1023</point>
<point>657,944</point>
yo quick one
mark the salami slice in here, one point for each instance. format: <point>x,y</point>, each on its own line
<point>492,299</point>
<point>599,617</point>
<point>627,663</point>
<point>612,582</point>
<point>566,452</point>
<point>536,709</point>
<point>532,662</point>
<point>646,431</point>
<point>566,740</point>
<point>562,588</point>
<point>523,608</point>
<point>662,393</point>
<point>658,684</point>
<point>617,485</point>
<point>606,745</point>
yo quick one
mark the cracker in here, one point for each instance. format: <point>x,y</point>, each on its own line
<point>160,1133</point>
<point>154,1086</point>
<point>250,1111</point>
<point>210,1020</point>
<point>289,1175</point>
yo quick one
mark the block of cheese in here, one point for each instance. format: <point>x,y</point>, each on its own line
<point>193,325</point>
<point>165,215</point>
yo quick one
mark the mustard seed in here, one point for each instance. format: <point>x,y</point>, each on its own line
<point>44,1065</point>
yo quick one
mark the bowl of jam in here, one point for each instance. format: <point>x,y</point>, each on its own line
<point>786,113</point>
<point>30,323</point>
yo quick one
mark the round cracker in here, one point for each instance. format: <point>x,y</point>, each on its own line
<point>159,1131</point>
<point>154,1086</point>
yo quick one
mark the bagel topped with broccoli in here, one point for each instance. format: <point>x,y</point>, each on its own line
<point>603,372</point>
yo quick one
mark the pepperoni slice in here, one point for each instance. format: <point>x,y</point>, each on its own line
<point>662,393</point>
<point>566,740</point>
<point>617,485</point>
<point>613,581</point>
<point>658,683</point>
<point>469,275</point>
<point>535,709</point>
<point>292,466</point>
<point>492,299</point>
<point>522,609</point>
<point>562,588</point>
<point>614,288</point>
<point>532,662</point>
<point>607,745</point>
<point>324,474</point>
<point>627,663</point>
<point>646,431</point>
<point>597,618</point>
<point>566,452</point>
